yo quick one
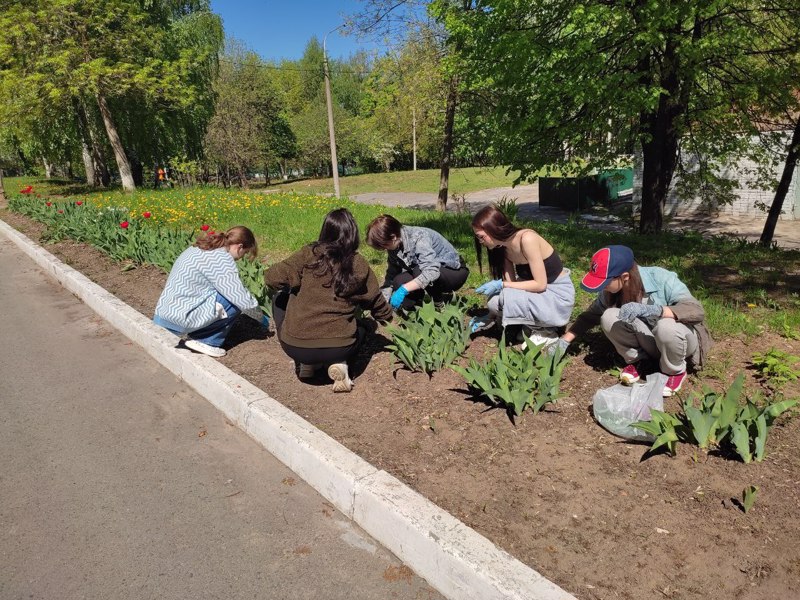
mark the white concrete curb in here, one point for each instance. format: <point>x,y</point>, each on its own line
<point>453,558</point>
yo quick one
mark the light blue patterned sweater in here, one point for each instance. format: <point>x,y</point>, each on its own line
<point>189,298</point>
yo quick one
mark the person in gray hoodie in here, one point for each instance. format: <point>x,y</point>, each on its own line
<point>420,260</point>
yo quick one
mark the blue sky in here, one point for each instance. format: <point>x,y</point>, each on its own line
<point>278,29</point>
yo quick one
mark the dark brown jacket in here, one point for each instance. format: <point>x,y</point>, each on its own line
<point>315,316</point>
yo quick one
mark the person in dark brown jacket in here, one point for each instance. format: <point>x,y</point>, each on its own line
<point>646,312</point>
<point>320,288</point>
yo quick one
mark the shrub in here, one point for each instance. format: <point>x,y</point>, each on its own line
<point>516,379</point>
<point>428,340</point>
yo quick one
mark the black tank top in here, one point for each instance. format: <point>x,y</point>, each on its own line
<point>552,268</point>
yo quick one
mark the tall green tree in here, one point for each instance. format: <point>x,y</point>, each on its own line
<point>590,80</point>
<point>112,52</point>
<point>248,129</point>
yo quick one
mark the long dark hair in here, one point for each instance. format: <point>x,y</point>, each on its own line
<point>335,251</point>
<point>235,235</point>
<point>632,289</point>
<point>492,220</point>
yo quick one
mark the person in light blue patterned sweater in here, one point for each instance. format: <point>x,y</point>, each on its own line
<point>204,293</point>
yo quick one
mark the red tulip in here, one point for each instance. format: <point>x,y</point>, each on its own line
<point>78,203</point>
<point>147,214</point>
<point>60,211</point>
<point>48,204</point>
<point>124,224</point>
<point>26,190</point>
<point>211,232</point>
<point>204,227</point>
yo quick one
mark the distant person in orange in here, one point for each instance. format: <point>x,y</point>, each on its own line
<point>161,176</point>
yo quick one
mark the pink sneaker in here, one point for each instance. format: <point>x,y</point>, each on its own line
<point>629,375</point>
<point>674,383</point>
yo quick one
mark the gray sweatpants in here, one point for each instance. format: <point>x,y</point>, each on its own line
<point>668,341</point>
<point>550,308</point>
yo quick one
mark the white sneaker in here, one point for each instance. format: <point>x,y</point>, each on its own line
<point>341,379</point>
<point>306,371</point>
<point>202,348</point>
<point>541,336</point>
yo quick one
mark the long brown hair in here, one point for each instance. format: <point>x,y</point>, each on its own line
<point>335,250</point>
<point>235,235</point>
<point>382,230</point>
<point>494,222</point>
<point>632,289</point>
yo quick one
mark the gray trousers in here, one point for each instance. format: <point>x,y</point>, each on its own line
<point>668,341</point>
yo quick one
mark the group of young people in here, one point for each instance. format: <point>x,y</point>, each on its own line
<point>647,313</point>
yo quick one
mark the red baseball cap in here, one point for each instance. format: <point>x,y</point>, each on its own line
<point>607,263</point>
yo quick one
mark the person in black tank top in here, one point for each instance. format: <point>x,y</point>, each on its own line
<point>515,296</point>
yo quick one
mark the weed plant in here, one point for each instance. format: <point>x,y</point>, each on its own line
<point>776,367</point>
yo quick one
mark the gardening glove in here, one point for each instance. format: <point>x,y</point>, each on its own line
<point>630,311</point>
<point>265,321</point>
<point>491,288</point>
<point>559,348</point>
<point>481,323</point>
<point>398,296</point>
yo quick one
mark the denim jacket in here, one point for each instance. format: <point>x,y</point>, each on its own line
<point>662,288</point>
<point>425,249</point>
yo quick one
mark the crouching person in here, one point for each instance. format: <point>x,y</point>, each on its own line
<point>321,286</point>
<point>419,260</point>
<point>646,312</point>
<point>204,293</point>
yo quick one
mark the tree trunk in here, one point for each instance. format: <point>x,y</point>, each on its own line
<point>3,200</point>
<point>116,144</point>
<point>137,170</point>
<point>100,176</point>
<point>792,156</point>
<point>660,148</point>
<point>88,165</point>
<point>447,144</point>
<point>48,168</point>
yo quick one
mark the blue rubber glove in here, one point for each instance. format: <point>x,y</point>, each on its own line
<point>265,321</point>
<point>633,310</point>
<point>398,296</point>
<point>491,288</point>
<point>481,323</point>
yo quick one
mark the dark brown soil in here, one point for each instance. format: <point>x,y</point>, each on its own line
<point>554,489</point>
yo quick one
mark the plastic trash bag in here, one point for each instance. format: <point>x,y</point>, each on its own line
<point>616,407</point>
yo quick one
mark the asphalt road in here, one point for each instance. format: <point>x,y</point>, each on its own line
<point>118,481</point>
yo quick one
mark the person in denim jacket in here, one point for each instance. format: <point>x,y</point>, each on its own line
<point>420,260</point>
<point>646,312</point>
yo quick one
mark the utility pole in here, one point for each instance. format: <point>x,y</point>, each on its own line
<point>331,132</point>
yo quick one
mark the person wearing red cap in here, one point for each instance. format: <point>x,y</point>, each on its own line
<point>646,312</point>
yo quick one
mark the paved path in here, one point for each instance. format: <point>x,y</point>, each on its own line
<point>118,481</point>
<point>787,233</point>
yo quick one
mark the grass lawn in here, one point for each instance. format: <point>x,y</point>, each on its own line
<point>744,287</point>
<point>462,181</point>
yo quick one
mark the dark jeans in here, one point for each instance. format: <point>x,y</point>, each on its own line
<point>448,282</point>
<point>311,356</point>
<point>214,334</point>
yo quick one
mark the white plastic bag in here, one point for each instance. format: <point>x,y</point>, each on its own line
<point>616,407</point>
